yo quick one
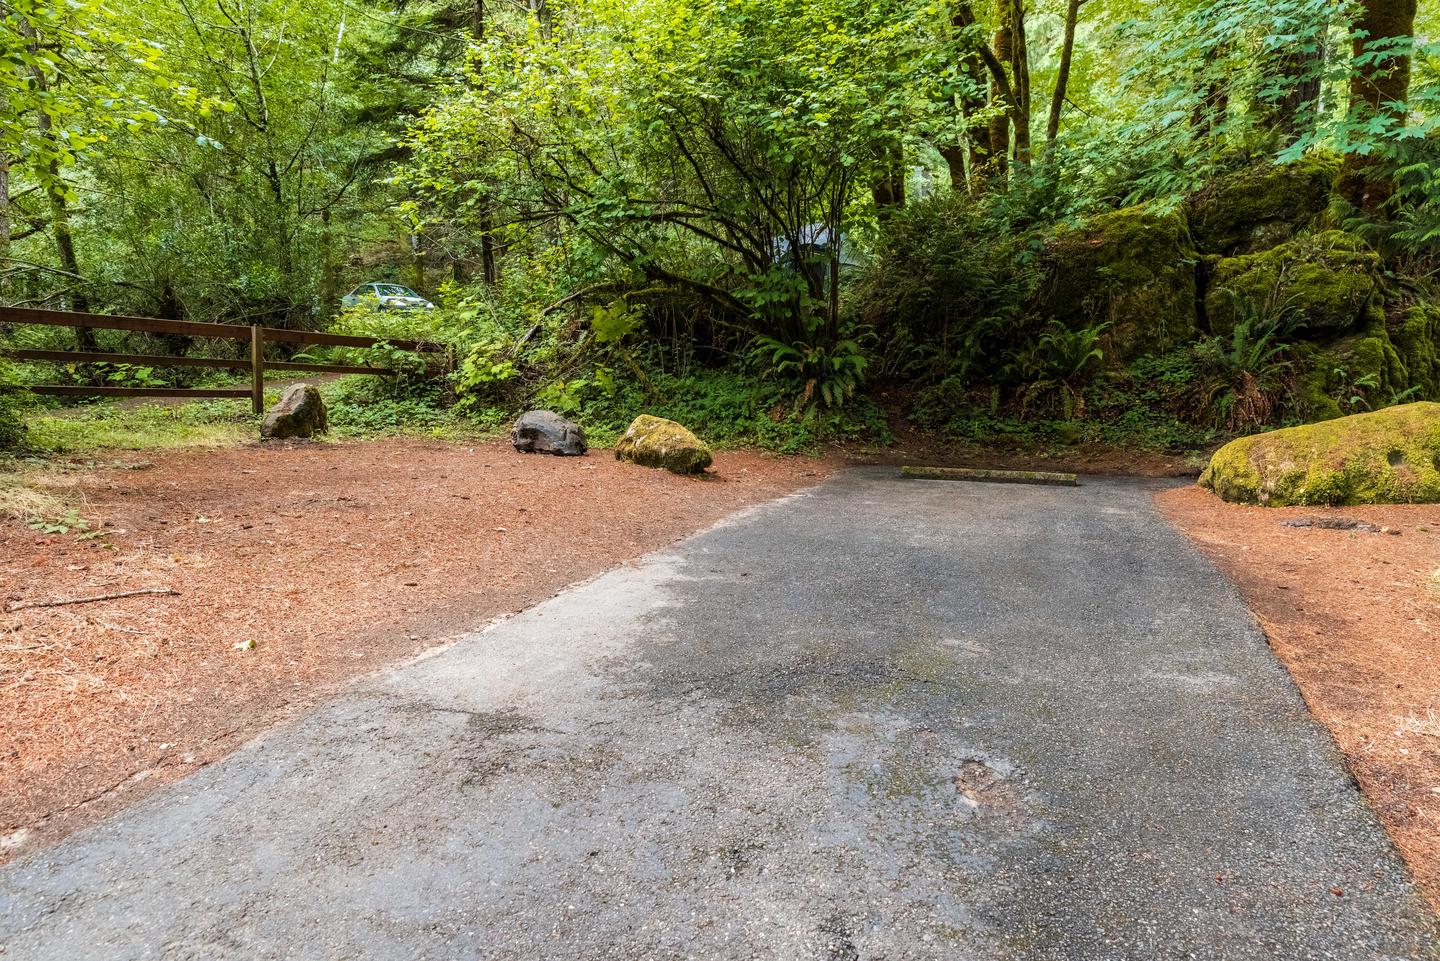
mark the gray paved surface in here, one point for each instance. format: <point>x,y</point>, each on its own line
<point>884,720</point>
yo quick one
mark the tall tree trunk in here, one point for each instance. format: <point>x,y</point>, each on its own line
<point>1062,74</point>
<point>5,229</point>
<point>1293,116</point>
<point>329,279</point>
<point>65,251</point>
<point>966,157</point>
<point>489,267</point>
<point>1004,44</point>
<point>59,207</point>
<point>417,263</point>
<point>1010,95</point>
<point>1376,88</point>
<point>954,155</point>
<point>1020,71</point>
<point>977,139</point>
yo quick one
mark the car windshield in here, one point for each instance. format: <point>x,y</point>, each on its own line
<point>393,290</point>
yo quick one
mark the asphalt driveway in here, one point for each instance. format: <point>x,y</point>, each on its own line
<point>884,719</point>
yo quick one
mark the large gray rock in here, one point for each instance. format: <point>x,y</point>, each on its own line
<point>546,432</point>
<point>300,413</point>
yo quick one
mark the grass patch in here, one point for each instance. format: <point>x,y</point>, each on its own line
<point>212,423</point>
<point>24,495</point>
<point>357,410</point>
<point>727,408</point>
<point>359,407</point>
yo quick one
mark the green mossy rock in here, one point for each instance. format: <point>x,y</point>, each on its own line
<point>1390,456</point>
<point>657,442</point>
<point>1326,282</point>
<point>1132,269</point>
<point>1315,392</point>
<point>1417,341</point>
<point>1385,361</point>
<point>1262,205</point>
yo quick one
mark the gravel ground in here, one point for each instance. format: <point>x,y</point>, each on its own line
<point>1355,616</point>
<point>884,719</point>
<point>332,559</point>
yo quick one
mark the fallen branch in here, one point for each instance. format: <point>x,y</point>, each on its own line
<point>26,605</point>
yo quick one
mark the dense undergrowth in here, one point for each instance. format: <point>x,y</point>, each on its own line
<point>725,407</point>
<point>783,224</point>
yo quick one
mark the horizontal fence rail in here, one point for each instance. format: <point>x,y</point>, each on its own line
<point>82,390</point>
<point>257,335</point>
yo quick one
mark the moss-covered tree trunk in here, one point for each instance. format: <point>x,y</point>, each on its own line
<point>1376,87</point>
<point>59,206</point>
<point>489,266</point>
<point>1008,66</point>
<point>5,241</point>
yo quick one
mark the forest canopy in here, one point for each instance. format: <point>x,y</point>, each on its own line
<point>1119,214</point>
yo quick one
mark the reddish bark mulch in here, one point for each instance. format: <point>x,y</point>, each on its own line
<point>1355,617</point>
<point>332,559</point>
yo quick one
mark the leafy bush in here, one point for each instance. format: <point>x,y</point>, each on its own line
<point>945,289</point>
<point>367,406</point>
<point>1245,378</point>
<point>12,427</point>
<point>830,369</point>
<point>1056,364</point>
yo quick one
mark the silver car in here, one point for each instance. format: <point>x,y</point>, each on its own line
<point>386,297</point>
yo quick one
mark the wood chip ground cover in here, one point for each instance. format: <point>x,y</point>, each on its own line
<point>298,567</point>
<point>1355,617</point>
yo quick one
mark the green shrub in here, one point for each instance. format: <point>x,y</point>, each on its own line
<point>827,370</point>
<point>1245,378</point>
<point>728,407</point>
<point>1056,365</point>
<point>12,426</point>
<point>364,406</point>
<point>944,291</point>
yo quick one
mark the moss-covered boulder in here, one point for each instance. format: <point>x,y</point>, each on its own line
<point>657,442</point>
<point>1259,206</point>
<point>1390,456</point>
<point>1131,269</point>
<point>1322,283</point>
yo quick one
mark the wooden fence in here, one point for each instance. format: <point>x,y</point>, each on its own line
<point>255,363</point>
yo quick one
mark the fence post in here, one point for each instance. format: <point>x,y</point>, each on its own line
<point>257,368</point>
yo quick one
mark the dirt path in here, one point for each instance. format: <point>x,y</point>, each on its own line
<point>1355,616</point>
<point>298,567</point>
